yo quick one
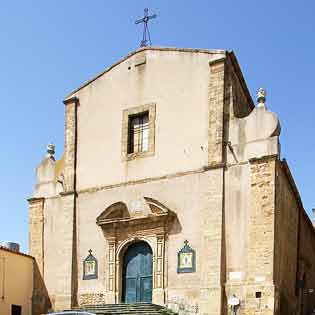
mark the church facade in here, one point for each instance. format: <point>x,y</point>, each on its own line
<point>171,190</point>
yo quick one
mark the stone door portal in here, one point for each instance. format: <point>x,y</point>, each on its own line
<point>137,273</point>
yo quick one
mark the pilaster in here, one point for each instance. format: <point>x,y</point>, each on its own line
<point>66,256</point>
<point>70,143</point>
<point>212,249</point>
<point>257,292</point>
<point>36,231</point>
<point>216,111</point>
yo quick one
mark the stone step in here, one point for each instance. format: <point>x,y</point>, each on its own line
<point>109,313</point>
<point>122,306</point>
<point>124,309</point>
<point>126,312</point>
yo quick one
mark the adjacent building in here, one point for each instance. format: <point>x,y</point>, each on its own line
<point>171,189</point>
<point>21,288</point>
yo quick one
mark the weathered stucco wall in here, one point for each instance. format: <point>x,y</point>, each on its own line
<point>177,82</point>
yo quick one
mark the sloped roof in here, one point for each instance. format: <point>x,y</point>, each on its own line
<point>16,253</point>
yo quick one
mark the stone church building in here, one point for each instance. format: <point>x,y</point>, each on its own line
<point>171,190</point>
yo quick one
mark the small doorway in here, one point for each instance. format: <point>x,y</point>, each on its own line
<point>137,274</point>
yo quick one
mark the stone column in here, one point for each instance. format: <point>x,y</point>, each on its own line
<point>36,231</point>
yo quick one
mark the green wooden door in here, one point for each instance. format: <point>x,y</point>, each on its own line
<point>137,274</point>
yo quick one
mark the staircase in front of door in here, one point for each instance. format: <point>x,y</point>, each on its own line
<point>126,309</point>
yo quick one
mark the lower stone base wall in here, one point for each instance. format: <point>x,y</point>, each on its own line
<point>61,302</point>
<point>255,299</point>
<point>183,306</point>
<point>92,298</point>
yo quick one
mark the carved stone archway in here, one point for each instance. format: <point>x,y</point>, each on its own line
<point>148,221</point>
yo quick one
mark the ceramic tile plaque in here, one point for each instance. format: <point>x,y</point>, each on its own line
<point>90,267</point>
<point>186,259</point>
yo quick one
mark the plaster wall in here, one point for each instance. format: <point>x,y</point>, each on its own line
<point>197,201</point>
<point>177,82</point>
<point>16,282</point>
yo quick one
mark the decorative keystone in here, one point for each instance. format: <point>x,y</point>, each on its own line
<point>261,97</point>
<point>50,150</point>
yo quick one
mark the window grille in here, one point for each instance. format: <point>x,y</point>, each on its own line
<point>138,135</point>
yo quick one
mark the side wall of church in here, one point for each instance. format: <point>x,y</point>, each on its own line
<point>294,248</point>
<point>196,199</point>
<point>306,264</point>
<point>286,242</point>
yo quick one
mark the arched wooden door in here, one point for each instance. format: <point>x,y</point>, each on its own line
<point>137,274</point>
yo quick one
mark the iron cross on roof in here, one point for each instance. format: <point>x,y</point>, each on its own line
<point>146,34</point>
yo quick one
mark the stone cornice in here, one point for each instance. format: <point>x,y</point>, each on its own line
<point>71,100</point>
<point>67,193</point>
<point>265,158</point>
<point>152,179</point>
<point>35,199</point>
<point>216,61</point>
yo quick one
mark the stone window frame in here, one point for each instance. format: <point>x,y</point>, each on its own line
<point>137,110</point>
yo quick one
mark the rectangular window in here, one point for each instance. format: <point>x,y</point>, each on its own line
<point>16,310</point>
<point>138,133</point>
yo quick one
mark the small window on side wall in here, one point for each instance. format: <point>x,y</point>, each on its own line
<point>16,310</point>
<point>138,132</point>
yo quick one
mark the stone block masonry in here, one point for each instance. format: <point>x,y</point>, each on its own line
<point>36,230</point>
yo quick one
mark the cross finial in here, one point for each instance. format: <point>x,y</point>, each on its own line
<point>186,243</point>
<point>90,251</point>
<point>146,39</point>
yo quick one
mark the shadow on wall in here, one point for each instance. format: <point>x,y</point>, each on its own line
<point>175,226</point>
<point>41,302</point>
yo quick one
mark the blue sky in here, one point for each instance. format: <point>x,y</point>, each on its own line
<point>50,47</point>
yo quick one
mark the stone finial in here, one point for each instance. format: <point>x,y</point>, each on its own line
<point>50,150</point>
<point>261,97</point>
